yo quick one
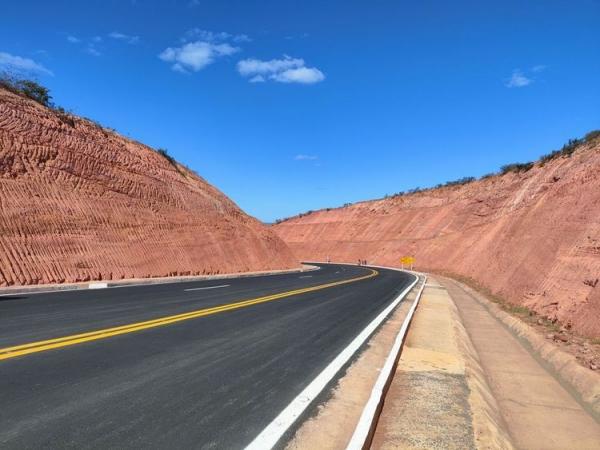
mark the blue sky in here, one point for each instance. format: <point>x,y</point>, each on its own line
<point>288,106</point>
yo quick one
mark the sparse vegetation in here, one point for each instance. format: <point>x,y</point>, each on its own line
<point>516,168</point>
<point>569,148</point>
<point>28,88</point>
<point>165,154</point>
<point>517,309</point>
<point>591,136</point>
<point>459,182</point>
<point>36,92</point>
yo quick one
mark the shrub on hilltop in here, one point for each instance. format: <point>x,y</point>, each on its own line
<point>516,168</point>
<point>29,88</point>
<point>165,154</point>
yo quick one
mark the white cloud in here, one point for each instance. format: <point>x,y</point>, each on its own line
<point>20,64</point>
<point>286,70</point>
<point>251,66</point>
<point>304,75</point>
<point>197,55</point>
<point>124,37</point>
<point>518,79</point>
<point>302,157</point>
<point>73,39</point>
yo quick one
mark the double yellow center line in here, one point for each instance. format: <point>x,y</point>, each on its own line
<point>40,346</point>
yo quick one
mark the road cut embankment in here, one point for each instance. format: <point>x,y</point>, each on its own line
<point>531,237</point>
<point>79,203</point>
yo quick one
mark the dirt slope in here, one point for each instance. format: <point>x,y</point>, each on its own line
<point>532,238</point>
<point>78,202</point>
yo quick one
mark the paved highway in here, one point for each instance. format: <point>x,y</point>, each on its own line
<point>205,364</point>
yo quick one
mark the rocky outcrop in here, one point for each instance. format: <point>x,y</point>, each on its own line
<point>532,238</point>
<point>79,202</point>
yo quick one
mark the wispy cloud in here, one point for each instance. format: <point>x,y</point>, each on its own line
<point>124,37</point>
<point>90,45</point>
<point>196,34</point>
<point>91,50</point>
<point>20,64</point>
<point>302,157</point>
<point>195,56</point>
<point>285,70</point>
<point>518,79</point>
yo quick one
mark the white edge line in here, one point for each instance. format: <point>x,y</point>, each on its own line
<point>207,287</point>
<point>367,418</point>
<point>273,432</point>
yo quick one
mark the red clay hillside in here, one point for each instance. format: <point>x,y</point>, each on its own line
<point>79,202</point>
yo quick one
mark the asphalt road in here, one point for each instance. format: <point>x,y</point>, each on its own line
<point>206,382</point>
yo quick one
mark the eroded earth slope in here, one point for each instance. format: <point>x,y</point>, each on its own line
<point>79,202</point>
<point>530,237</point>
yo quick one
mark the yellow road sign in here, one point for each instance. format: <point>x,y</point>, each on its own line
<point>407,261</point>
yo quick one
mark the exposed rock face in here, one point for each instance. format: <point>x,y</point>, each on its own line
<point>532,238</point>
<point>78,202</point>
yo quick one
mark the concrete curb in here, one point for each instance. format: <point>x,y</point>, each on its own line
<point>39,289</point>
<point>365,429</point>
<point>584,384</point>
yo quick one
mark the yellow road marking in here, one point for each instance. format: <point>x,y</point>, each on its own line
<point>40,346</point>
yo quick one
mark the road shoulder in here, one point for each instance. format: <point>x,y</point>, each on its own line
<point>439,396</point>
<point>334,421</point>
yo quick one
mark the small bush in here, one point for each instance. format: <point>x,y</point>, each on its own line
<point>459,182</point>
<point>165,154</point>
<point>28,88</point>
<point>516,168</point>
<point>65,116</point>
<point>569,148</point>
<point>488,175</point>
<point>35,91</point>
<point>592,135</point>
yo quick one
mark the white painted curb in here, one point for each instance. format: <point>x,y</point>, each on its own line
<point>363,431</point>
<point>269,436</point>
